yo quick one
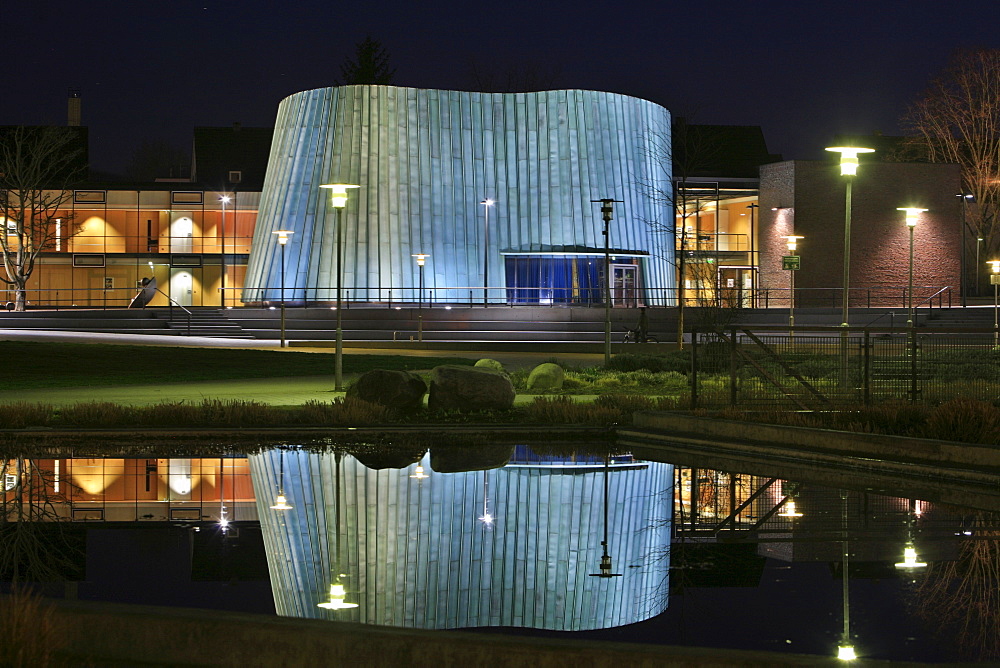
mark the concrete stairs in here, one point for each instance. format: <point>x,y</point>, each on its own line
<point>202,322</point>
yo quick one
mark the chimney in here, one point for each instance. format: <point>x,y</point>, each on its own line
<point>74,112</point>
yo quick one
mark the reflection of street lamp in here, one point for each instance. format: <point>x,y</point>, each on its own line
<point>605,569</point>
<point>418,473</point>
<point>487,203</point>
<point>337,598</point>
<point>225,199</point>
<point>911,222</point>
<point>845,651</point>
<point>995,280</point>
<point>486,518</point>
<point>792,242</point>
<point>282,240</point>
<point>421,258</point>
<point>338,199</point>
<point>280,502</point>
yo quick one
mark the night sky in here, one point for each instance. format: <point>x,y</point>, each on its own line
<point>804,70</point>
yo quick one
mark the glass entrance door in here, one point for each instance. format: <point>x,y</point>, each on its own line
<point>625,286</point>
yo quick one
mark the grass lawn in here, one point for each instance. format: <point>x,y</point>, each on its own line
<point>30,365</point>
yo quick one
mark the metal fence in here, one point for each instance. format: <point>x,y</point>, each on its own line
<point>815,368</point>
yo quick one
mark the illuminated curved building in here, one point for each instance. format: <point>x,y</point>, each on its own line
<point>427,160</point>
<point>417,553</point>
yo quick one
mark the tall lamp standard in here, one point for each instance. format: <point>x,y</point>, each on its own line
<point>421,258</point>
<point>225,199</point>
<point>607,211</point>
<point>753,206</point>
<point>338,199</point>
<point>487,203</point>
<point>911,223</point>
<point>848,168</point>
<point>995,280</point>
<point>282,240</point>
<point>964,287</point>
<point>792,264</point>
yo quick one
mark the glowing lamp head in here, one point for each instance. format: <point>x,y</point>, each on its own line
<point>337,598</point>
<point>792,241</point>
<point>421,258</point>
<point>849,158</point>
<point>846,653</point>
<point>281,503</point>
<point>910,558</point>
<point>338,193</point>
<point>488,202</point>
<point>283,236</point>
<point>225,199</point>
<point>911,214</point>
<point>419,474</point>
<point>789,510</point>
<point>994,266</point>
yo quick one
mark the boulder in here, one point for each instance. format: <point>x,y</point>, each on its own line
<point>487,363</point>
<point>546,376</point>
<point>467,388</point>
<point>455,459</point>
<point>400,390</point>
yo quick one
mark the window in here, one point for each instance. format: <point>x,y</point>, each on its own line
<point>90,196</point>
<point>235,176</point>
<point>186,197</point>
<point>85,260</point>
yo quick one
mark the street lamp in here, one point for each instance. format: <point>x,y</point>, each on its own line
<point>225,199</point>
<point>849,168</point>
<point>282,240</point>
<point>995,280</point>
<point>792,264</point>
<point>753,206</point>
<point>421,258</point>
<point>607,211</point>
<point>338,198</point>
<point>487,203</point>
<point>911,222</point>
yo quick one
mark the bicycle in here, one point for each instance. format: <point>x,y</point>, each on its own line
<point>632,336</point>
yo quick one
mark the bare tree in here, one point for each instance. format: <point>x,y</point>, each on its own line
<point>957,120</point>
<point>370,65</point>
<point>38,168</point>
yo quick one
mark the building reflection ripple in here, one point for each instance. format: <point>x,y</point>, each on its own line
<point>509,546</point>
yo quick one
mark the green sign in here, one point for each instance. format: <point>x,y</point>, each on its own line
<point>791,262</point>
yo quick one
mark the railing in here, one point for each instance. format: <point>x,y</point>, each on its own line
<point>925,297</point>
<point>817,368</point>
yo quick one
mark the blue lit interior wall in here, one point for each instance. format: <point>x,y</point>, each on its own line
<point>416,555</point>
<point>425,159</point>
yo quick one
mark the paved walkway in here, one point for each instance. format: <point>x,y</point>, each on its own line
<point>274,391</point>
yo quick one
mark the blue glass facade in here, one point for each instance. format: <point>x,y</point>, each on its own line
<point>427,159</point>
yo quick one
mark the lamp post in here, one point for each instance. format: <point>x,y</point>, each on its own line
<point>607,211</point>
<point>995,280</point>
<point>487,203</point>
<point>848,168</point>
<point>791,264</point>
<point>964,287</point>
<point>338,199</point>
<point>911,223</point>
<point>421,258</point>
<point>225,199</point>
<point>282,240</point>
<point>753,206</point>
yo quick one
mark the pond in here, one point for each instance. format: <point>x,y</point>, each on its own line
<point>516,539</point>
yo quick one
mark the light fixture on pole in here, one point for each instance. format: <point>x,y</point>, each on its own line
<point>280,502</point>
<point>421,259</point>
<point>995,281</point>
<point>791,264</point>
<point>487,203</point>
<point>848,168</point>
<point>487,519</point>
<point>282,240</point>
<point>753,206</point>
<point>338,199</point>
<point>911,222</point>
<point>607,213</point>
<point>964,287</point>
<point>225,199</point>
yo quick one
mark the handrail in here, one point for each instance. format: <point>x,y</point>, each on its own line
<point>172,304</point>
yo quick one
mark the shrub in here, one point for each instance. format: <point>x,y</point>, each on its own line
<point>20,414</point>
<point>28,629</point>
<point>98,414</point>
<point>967,420</point>
<point>344,412</point>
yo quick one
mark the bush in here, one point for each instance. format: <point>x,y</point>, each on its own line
<point>98,414</point>
<point>20,414</point>
<point>344,412</point>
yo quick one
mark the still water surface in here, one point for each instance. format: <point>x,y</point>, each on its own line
<point>505,539</point>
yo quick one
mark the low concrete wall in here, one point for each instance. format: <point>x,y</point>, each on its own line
<point>896,448</point>
<point>108,634</point>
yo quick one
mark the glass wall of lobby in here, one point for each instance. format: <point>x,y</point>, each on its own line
<point>716,242</point>
<point>106,242</point>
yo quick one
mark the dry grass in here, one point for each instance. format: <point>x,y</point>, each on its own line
<point>28,633</point>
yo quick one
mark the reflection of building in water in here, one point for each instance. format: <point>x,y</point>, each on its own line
<point>416,552</point>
